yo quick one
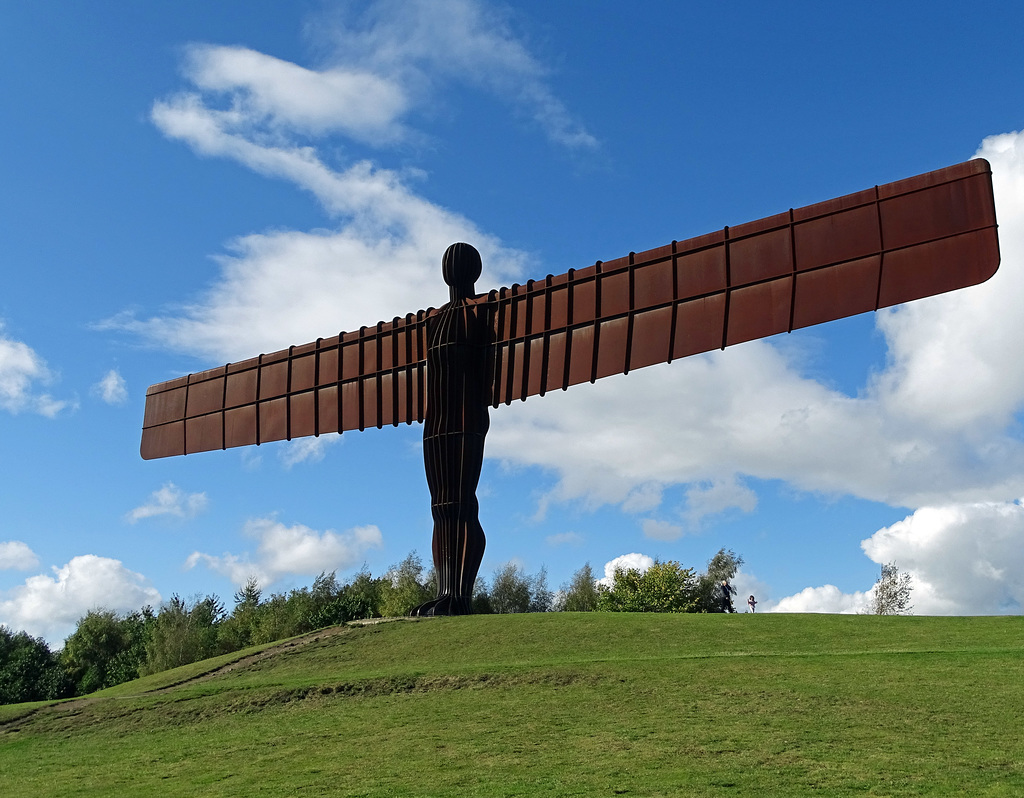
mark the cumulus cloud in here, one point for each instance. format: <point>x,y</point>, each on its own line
<point>963,559</point>
<point>50,606</point>
<point>17,556</point>
<point>112,389</point>
<point>626,562</point>
<point>827,598</point>
<point>290,550</point>
<point>170,500</point>
<point>21,370</point>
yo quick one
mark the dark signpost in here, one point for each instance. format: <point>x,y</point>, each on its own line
<point>876,248</point>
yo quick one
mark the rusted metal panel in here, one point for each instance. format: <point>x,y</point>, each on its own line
<point>699,326</point>
<point>652,284</point>
<point>761,256</point>
<point>921,271</point>
<point>874,248</point>
<point>555,376</point>
<point>204,433</point>
<point>205,396</point>
<point>273,419</point>
<point>327,410</point>
<point>700,268</point>
<point>301,414</point>
<point>837,237</point>
<point>612,347</point>
<point>652,338</point>
<point>241,387</point>
<point>614,291</point>
<point>584,298</point>
<point>757,311</point>
<point>303,374</point>
<point>240,426</point>
<point>846,289</point>
<point>165,440</point>
<point>535,380</point>
<point>581,355</point>
<point>163,407</point>
<point>273,379</point>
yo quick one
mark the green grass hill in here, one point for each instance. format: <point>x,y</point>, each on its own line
<point>555,704</point>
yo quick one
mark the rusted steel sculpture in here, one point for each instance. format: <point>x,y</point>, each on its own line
<point>880,247</point>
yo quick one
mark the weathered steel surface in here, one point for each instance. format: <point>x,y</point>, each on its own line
<point>890,244</point>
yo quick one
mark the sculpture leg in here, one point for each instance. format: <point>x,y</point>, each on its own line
<point>453,463</point>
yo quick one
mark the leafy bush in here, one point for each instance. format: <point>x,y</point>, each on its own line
<point>664,587</point>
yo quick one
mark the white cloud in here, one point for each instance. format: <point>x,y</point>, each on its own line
<point>964,559</point>
<point>290,550</point>
<point>17,556</point>
<point>286,96</point>
<point>20,369</point>
<point>626,562</point>
<point>170,500</point>
<point>50,606</point>
<point>827,598</point>
<point>307,450</point>
<point>112,389</point>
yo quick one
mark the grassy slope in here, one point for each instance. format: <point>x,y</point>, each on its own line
<point>560,704</point>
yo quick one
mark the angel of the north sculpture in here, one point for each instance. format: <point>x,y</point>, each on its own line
<point>880,247</point>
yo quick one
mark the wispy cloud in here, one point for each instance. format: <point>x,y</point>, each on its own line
<point>21,369</point>
<point>112,389</point>
<point>169,500</point>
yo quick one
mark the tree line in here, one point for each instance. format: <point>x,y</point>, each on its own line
<point>108,648</point>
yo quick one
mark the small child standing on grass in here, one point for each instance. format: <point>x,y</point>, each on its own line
<point>751,602</point>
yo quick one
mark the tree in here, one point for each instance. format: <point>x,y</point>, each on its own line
<point>722,566</point>
<point>891,593</point>
<point>403,587</point>
<point>580,595</point>
<point>29,671</point>
<point>664,587</point>
<point>513,590</point>
<point>238,630</point>
<point>540,596</point>
<point>106,649</point>
<point>184,632</point>
<point>510,589</point>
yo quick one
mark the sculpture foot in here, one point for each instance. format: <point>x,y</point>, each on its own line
<point>445,605</point>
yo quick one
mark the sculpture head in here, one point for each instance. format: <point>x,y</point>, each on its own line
<point>461,267</point>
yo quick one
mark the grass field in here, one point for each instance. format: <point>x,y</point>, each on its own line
<point>557,704</point>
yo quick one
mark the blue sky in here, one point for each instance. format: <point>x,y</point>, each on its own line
<point>182,186</point>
